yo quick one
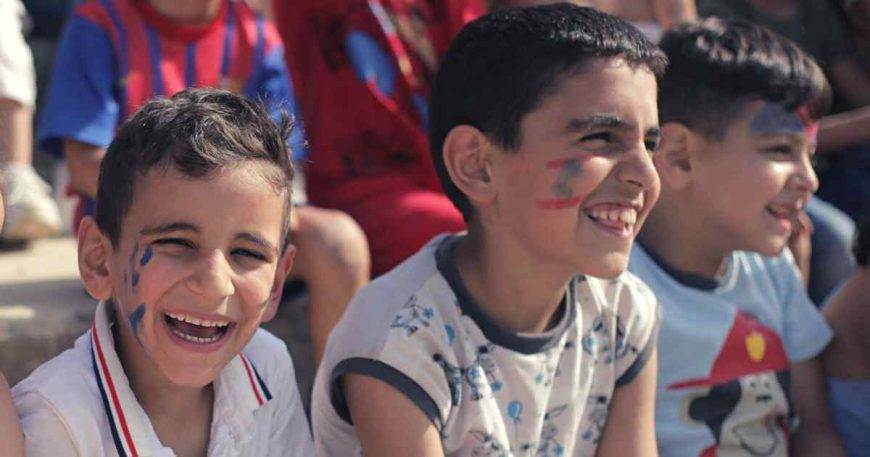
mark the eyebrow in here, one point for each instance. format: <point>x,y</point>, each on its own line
<point>596,121</point>
<point>170,227</point>
<point>259,241</point>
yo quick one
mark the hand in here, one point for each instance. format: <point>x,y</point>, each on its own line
<point>799,243</point>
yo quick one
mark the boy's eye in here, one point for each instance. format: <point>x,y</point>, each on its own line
<point>782,149</point>
<point>174,242</point>
<point>250,254</point>
<point>601,136</point>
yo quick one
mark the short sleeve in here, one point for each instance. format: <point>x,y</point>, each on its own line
<point>289,425</point>
<point>81,103</point>
<point>415,359</point>
<point>638,316</point>
<point>45,433</point>
<point>805,332</point>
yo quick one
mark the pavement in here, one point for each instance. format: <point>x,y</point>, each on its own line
<point>44,308</point>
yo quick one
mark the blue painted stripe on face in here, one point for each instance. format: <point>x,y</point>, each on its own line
<point>135,280</point>
<point>136,319</point>
<point>146,256</point>
<point>774,118</point>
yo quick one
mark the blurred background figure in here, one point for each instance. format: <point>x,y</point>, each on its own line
<point>31,212</point>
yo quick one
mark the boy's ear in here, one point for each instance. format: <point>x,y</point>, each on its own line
<point>674,154</point>
<point>95,250</point>
<point>285,264</point>
<point>466,157</point>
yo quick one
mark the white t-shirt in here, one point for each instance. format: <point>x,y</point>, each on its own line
<point>725,350</point>
<point>489,391</point>
<point>80,404</point>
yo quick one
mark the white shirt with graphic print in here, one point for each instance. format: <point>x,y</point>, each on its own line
<point>80,404</point>
<point>489,391</point>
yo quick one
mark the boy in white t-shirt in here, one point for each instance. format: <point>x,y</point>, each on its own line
<point>188,253</point>
<point>504,341</point>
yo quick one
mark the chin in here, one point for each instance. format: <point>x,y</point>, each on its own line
<point>191,376</point>
<point>606,266</point>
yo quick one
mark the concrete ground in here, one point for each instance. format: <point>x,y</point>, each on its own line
<point>44,308</point>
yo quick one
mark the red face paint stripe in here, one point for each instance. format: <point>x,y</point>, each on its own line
<point>251,379</point>
<point>111,384</point>
<point>559,163</point>
<point>559,203</point>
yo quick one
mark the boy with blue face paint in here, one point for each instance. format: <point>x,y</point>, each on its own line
<point>187,252</point>
<point>739,373</point>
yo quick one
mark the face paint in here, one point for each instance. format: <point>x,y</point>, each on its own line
<point>146,257</point>
<point>136,319</point>
<point>811,127</point>
<point>570,168</point>
<point>774,118</point>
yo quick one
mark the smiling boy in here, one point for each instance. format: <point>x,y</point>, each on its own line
<point>739,373</point>
<point>504,341</point>
<point>187,253</point>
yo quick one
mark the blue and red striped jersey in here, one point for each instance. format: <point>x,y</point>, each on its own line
<point>114,55</point>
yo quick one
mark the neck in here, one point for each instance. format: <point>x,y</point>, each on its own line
<point>161,399</point>
<point>516,292</point>
<point>188,12</point>
<point>684,241</point>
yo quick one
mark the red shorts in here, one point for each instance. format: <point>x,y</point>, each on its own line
<point>399,222</point>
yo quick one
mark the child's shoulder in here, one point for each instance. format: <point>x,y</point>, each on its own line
<point>67,379</point>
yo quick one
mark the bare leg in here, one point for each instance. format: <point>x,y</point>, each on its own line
<point>333,259</point>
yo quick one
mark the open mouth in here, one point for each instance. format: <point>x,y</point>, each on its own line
<point>197,331</point>
<point>618,218</point>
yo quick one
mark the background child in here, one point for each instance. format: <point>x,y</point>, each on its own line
<point>11,443</point>
<point>740,338</point>
<point>846,360</point>
<point>188,253</point>
<point>501,341</point>
<point>114,55</point>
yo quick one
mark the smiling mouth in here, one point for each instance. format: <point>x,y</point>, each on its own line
<point>622,219</point>
<point>195,330</point>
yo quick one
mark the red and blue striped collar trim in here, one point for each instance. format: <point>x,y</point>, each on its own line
<point>125,420</point>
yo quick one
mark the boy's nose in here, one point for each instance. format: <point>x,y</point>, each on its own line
<point>213,277</point>
<point>638,169</point>
<point>805,177</point>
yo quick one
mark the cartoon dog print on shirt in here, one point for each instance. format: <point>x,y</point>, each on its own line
<point>744,402</point>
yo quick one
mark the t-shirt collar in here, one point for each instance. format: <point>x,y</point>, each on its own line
<point>239,391</point>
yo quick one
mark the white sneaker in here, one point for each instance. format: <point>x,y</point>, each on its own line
<point>31,213</point>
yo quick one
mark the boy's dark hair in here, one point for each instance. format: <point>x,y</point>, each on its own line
<point>716,66</point>
<point>196,132</point>
<point>503,65</point>
<point>861,247</point>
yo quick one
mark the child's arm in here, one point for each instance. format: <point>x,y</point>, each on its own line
<point>815,435</point>
<point>387,423</point>
<point>630,428</point>
<point>11,439</point>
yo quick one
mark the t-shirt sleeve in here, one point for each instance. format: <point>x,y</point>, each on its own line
<point>290,432</point>
<point>805,332</point>
<point>638,316</point>
<point>415,359</point>
<point>81,103</point>
<point>45,433</point>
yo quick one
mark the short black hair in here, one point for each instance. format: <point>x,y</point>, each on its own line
<point>501,66</point>
<point>861,247</point>
<point>196,132</point>
<point>716,66</point>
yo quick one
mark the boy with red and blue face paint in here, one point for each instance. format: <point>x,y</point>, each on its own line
<point>740,340</point>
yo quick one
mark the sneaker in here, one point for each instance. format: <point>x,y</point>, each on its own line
<point>31,213</point>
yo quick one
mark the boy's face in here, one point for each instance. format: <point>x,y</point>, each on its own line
<point>197,265</point>
<point>577,189</point>
<point>752,184</point>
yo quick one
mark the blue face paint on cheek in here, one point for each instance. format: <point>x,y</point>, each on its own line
<point>135,280</point>
<point>146,257</point>
<point>136,320</point>
<point>774,118</point>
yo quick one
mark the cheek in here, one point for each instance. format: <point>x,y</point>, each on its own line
<point>567,184</point>
<point>254,289</point>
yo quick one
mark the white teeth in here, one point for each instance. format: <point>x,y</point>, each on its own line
<point>195,321</point>
<point>195,339</point>
<point>628,216</point>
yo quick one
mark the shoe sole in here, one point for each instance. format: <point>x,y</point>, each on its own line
<point>28,230</point>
